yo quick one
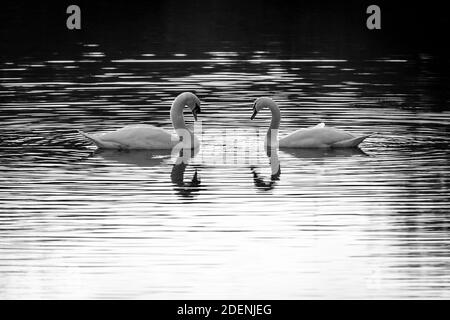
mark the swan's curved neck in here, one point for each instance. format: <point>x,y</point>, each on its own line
<point>276,116</point>
<point>272,133</point>
<point>176,113</point>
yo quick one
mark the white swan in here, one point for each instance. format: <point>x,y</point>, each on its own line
<point>145,136</point>
<point>319,136</point>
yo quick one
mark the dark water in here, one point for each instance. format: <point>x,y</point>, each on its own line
<point>75,223</point>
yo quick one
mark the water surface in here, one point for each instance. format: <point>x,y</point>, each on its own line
<point>77,223</point>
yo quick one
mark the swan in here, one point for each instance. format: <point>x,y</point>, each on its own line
<point>318,136</point>
<point>143,136</point>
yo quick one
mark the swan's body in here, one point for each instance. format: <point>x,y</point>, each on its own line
<point>143,136</point>
<point>135,137</point>
<point>318,136</point>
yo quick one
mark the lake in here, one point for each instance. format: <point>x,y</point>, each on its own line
<point>79,223</point>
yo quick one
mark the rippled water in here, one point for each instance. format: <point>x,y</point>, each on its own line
<point>369,223</point>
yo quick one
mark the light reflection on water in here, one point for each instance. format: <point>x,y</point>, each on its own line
<point>75,223</point>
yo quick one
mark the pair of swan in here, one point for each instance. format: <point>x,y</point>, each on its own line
<point>151,137</point>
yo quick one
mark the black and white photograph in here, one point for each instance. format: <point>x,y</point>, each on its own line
<point>224,150</point>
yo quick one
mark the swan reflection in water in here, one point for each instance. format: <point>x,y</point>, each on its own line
<point>275,167</point>
<point>272,154</point>
<point>139,158</point>
<point>160,158</point>
<point>185,189</point>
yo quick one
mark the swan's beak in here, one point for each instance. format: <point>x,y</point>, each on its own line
<point>196,111</point>
<point>254,114</point>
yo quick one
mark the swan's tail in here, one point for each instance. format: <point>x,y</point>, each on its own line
<point>351,143</point>
<point>91,138</point>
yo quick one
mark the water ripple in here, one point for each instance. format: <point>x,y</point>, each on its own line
<point>78,223</point>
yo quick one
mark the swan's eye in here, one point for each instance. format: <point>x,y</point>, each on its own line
<point>197,109</point>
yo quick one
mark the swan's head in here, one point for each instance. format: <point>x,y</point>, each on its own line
<point>193,103</point>
<point>260,104</point>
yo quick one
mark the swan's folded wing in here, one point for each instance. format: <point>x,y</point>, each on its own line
<point>349,143</point>
<point>315,137</point>
<point>320,125</point>
<point>138,137</point>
